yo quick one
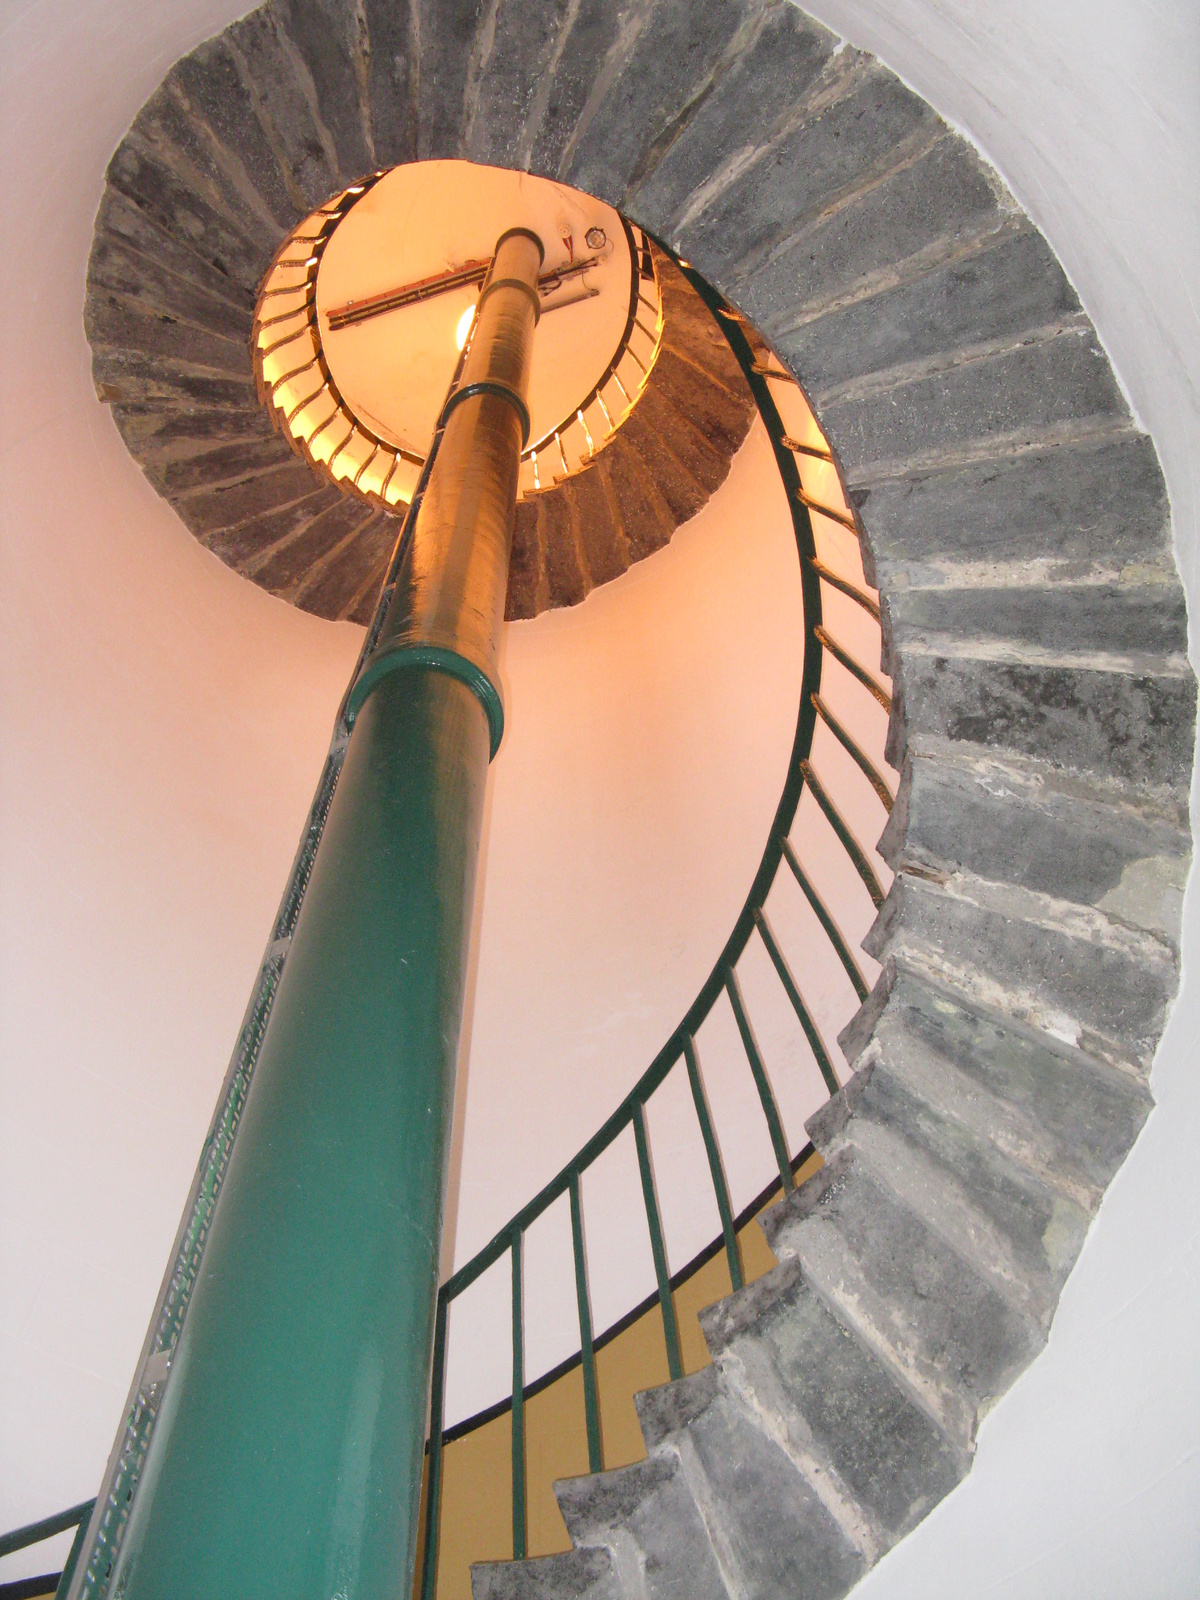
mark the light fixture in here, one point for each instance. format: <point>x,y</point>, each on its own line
<point>464,326</point>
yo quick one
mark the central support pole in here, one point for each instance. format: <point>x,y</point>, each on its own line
<point>285,1463</point>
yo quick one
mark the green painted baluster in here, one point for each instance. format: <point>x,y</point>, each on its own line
<point>832,932</point>
<point>587,1352</point>
<point>765,1093</point>
<point>714,1160</point>
<point>816,1043</point>
<point>518,1399</point>
<point>654,1220</point>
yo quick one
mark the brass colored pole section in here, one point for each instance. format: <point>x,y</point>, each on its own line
<point>448,605</point>
<point>285,1461</point>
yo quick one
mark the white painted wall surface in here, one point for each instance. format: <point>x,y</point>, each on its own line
<point>146,830</point>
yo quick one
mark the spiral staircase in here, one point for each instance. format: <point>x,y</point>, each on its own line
<point>1042,712</point>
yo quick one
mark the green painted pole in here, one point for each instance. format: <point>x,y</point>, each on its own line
<point>286,1460</point>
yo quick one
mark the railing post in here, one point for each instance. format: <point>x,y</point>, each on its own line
<point>591,1408</point>
<point>518,1397</point>
<point>287,1454</point>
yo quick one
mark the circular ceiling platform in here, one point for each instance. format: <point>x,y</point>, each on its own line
<point>285,409</point>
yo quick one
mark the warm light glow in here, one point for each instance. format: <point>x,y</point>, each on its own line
<point>464,326</point>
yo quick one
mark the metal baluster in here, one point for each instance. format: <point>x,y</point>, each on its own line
<point>852,667</point>
<point>433,1481</point>
<point>761,1081</point>
<point>591,1408</point>
<point>654,1221</point>
<point>864,763</point>
<point>720,1186</point>
<point>816,1043</point>
<point>518,1399</point>
<point>868,602</point>
<point>825,917</point>
<point>849,843</point>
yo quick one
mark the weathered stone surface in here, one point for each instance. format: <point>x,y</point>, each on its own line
<point>923,207</point>
<point>166,127</point>
<point>448,31</point>
<point>1064,1116</point>
<point>1132,724</point>
<point>955,1339</point>
<point>646,1518</point>
<point>504,95</point>
<point>703,405</point>
<point>392,72</point>
<point>329,40</point>
<point>683,493</point>
<point>527,579</point>
<point>702,460</point>
<point>267,491</point>
<point>746,107</point>
<point>580,54</point>
<point>1052,834</point>
<point>1021,1233</point>
<point>120,324</point>
<point>1000,285</point>
<point>838,1404</point>
<point>179,433</point>
<point>575,1575</point>
<point>1016,394</point>
<point>842,147</point>
<point>289,563</point>
<point>133,381</point>
<point>349,586</point>
<point>667,58</point>
<point>1091,501</point>
<point>124,226</point>
<point>269,64</point>
<point>247,541</point>
<point>220,464</point>
<point>1094,982</point>
<point>604,548</point>
<point>213,93</point>
<point>1123,618</point>
<point>145,177</point>
<point>645,519</point>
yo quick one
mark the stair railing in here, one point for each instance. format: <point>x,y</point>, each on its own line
<point>764,375</point>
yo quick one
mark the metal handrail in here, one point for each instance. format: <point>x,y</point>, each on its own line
<point>100,1536</point>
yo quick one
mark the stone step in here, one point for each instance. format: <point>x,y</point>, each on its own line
<point>159,293</point>
<point>1055,382</point>
<point>983,278</point>
<point>211,91</point>
<point>1066,1118</point>
<point>1105,845</point>
<point>266,60</point>
<point>1020,1234</point>
<point>1068,970</point>
<point>646,1518</point>
<point>357,84</point>
<point>723,1500</point>
<point>661,66</point>
<point>926,1311</point>
<point>1130,718</point>
<point>1079,502</point>
<point>585,1574</point>
<point>746,108</point>
<point>857,125</point>
<point>1090,619</point>
<point>112,321</point>
<point>881,1464</point>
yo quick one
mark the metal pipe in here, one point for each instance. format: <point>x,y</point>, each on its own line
<point>287,1454</point>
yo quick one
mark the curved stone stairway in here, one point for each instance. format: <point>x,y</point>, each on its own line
<point>1034,626</point>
